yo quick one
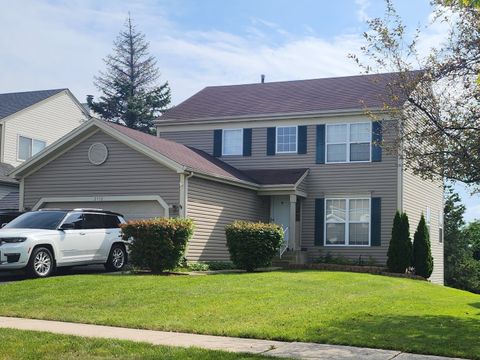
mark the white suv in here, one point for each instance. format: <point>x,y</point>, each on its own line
<point>40,241</point>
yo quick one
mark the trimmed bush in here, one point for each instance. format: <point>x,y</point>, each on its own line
<point>253,245</point>
<point>157,244</point>
<point>400,248</point>
<point>422,252</point>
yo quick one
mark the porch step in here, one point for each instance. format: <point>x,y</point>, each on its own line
<point>286,259</point>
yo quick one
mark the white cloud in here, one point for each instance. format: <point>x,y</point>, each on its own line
<point>363,6</point>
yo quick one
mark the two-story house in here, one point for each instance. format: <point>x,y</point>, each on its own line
<point>302,154</point>
<point>30,121</point>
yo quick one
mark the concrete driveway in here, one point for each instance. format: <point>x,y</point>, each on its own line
<point>9,276</point>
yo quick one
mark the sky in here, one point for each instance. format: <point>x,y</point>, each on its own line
<point>61,43</point>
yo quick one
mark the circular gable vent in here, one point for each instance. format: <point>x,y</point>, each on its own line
<point>97,153</point>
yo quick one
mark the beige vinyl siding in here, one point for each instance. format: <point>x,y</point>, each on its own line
<point>417,196</point>
<point>126,172</point>
<point>6,189</point>
<point>48,121</point>
<point>376,179</point>
<point>213,205</point>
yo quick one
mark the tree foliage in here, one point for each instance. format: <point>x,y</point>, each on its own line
<point>422,259</point>
<point>439,123</point>
<point>130,91</point>
<point>399,254</point>
<point>461,270</point>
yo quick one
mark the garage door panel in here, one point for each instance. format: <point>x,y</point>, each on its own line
<point>131,210</point>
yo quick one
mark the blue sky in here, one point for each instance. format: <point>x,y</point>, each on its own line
<point>55,43</point>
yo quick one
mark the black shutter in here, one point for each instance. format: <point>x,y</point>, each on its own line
<point>302,139</point>
<point>271,134</point>
<point>217,142</point>
<point>247,142</point>
<point>319,221</point>
<point>320,144</point>
<point>376,141</point>
<point>376,216</point>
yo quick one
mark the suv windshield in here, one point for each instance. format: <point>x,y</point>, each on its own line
<point>48,220</point>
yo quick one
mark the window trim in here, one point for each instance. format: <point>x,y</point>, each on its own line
<point>348,222</point>
<point>296,139</point>
<point>223,142</point>
<point>31,146</point>
<point>348,143</point>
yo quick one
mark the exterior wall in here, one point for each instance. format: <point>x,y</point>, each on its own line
<point>213,205</point>
<point>417,196</point>
<point>48,121</point>
<point>7,188</point>
<point>376,179</point>
<point>125,172</point>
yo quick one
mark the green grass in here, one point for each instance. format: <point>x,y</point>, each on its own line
<point>324,307</point>
<point>24,345</point>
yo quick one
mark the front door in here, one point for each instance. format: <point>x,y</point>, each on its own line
<point>281,215</point>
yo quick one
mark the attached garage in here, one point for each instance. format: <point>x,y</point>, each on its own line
<point>130,209</point>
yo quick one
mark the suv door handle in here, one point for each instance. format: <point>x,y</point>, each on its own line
<point>82,233</point>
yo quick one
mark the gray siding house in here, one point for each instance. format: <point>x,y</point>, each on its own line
<point>302,154</point>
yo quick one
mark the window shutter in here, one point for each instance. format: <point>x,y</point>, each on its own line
<point>271,134</point>
<point>247,142</point>
<point>217,142</point>
<point>320,144</point>
<point>302,139</point>
<point>376,215</point>
<point>319,221</point>
<point>376,141</point>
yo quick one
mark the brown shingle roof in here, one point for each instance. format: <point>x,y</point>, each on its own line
<point>275,176</point>
<point>192,158</point>
<point>286,97</point>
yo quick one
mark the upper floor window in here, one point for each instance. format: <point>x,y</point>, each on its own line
<point>28,147</point>
<point>347,222</point>
<point>232,142</point>
<point>287,139</point>
<point>348,142</point>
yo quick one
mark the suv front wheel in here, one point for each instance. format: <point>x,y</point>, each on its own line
<point>117,259</point>
<point>41,263</point>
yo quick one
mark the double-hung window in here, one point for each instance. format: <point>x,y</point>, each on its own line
<point>348,142</point>
<point>287,139</point>
<point>28,147</point>
<point>347,222</point>
<point>232,142</point>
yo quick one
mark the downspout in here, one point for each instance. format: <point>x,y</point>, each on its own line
<point>184,193</point>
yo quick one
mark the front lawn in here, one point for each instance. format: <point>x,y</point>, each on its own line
<point>324,307</point>
<point>23,345</point>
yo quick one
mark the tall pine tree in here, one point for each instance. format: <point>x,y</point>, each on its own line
<point>400,248</point>
<point>130,91</point>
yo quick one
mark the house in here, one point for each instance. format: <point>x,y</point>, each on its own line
<point>302,154</point>
<point>30,121</point>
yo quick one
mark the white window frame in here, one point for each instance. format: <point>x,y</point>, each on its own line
<point>223,142</point>
<point>296,140</point>
<point>348,143</point>
<point>440,226</point>
<point>31,146</point>
<point>428,218</point>
<point>348,222</point>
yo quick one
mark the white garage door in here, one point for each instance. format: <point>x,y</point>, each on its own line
<point>131,210</point>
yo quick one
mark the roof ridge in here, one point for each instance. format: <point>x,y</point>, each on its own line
<point>33,91</point>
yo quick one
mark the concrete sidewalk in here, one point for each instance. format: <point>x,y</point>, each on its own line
<point>295,350</point>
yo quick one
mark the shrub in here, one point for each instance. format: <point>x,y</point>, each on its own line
<point>422,253</point>
<point>158,244</point>
<point>209,265</point>
<point>253,245</point>
<point>399,256</point>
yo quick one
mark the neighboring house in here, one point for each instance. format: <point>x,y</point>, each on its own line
<point>30,121</point>
<point>302,154</point>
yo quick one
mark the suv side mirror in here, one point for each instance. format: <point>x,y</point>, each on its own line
<point>4,224</point>
<point>67,226</point>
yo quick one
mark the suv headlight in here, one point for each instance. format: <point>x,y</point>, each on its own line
<point>12,240</point>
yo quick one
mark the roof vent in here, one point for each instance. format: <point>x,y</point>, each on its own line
<point>97,153</point>
<point>262,78</point>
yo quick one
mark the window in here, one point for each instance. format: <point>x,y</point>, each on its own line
<point>348,142</point>
<point>347,222</point>
<point>232,143</point>
<point>76,219</point>
<point>440,226</point>
<point>111,221</point>
<point>93,221</point>
<point>28,147</point>
<point>428,217</point>
<point>286,139</point>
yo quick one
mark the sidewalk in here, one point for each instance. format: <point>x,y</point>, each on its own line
<point>266,347</point>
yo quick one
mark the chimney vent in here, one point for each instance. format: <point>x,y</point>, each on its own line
<point>262,78</point>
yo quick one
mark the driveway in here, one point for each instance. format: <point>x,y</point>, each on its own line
<point>9,276</point>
